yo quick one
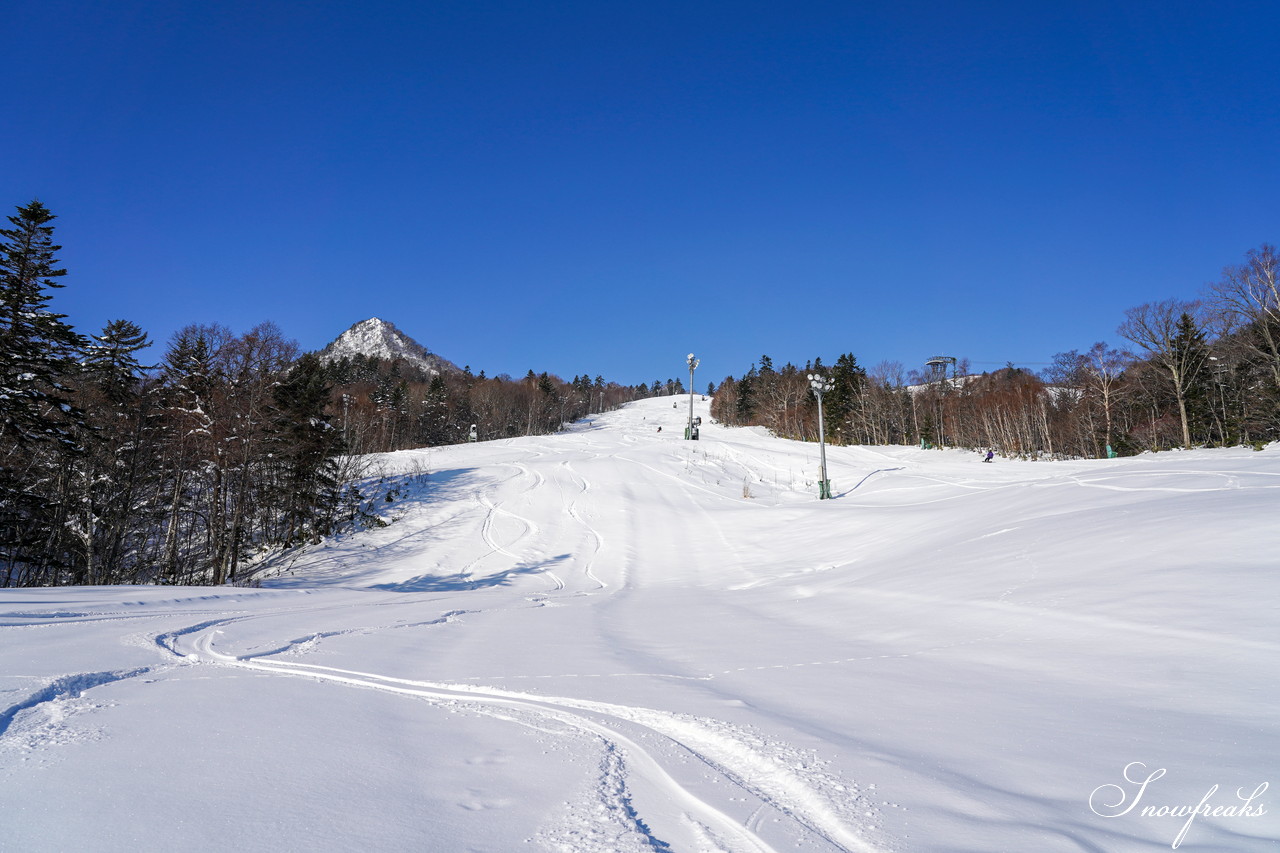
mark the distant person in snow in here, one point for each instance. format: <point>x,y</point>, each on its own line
<point>990,454</point>
<point>659,429</point>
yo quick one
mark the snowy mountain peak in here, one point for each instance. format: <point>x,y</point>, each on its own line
<point>378,338</point>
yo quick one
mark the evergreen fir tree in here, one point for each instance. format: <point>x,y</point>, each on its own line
<point>38,423</point>
<point>107,520</point>
<point>435,413</point>
<point>306,447</point>
<point>847,381</point>
<point>111,360</point>
<point>37,349</point>
<point>188,365</point>
<point>745,408</point>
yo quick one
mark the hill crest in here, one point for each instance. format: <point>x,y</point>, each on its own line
<point>378,338</point>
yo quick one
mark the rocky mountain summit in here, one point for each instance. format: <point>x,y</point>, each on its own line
<point>377,338</point>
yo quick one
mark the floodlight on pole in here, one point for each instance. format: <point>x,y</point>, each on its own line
<point>820,385</point>
<point>689,432</point>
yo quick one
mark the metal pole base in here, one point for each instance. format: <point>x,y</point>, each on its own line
<point>824,490</point>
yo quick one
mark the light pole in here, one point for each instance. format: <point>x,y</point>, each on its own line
<point>820,385</point>
<point>689,432</point>
<point>1219,375</point>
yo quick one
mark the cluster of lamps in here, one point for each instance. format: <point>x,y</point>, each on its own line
<point>690,432</point>
<point>820,385</point>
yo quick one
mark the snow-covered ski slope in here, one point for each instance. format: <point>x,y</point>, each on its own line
<point>597,641</point>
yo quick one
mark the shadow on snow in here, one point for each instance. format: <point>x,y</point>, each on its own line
<point>459,583</point>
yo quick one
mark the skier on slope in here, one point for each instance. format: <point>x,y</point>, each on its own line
<point>990,454</point>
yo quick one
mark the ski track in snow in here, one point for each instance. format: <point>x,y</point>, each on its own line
<point>66,686</point>
<point>752,767</point>
<point>571,508</point>
<point>530,532</point>
<point>310,641</point>
<point>493,546</point>
<point>1232,478</point>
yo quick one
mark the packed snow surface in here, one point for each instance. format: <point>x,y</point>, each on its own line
<point>614,639</point>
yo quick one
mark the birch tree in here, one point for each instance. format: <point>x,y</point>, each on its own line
<point>1249,293</point>
<point>1167,332</point>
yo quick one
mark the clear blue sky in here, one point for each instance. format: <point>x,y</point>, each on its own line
<point>604,186</point>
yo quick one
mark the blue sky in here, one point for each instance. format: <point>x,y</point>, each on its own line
<point>603,187</point>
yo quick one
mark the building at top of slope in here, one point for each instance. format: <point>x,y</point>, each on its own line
<point>376,338</point>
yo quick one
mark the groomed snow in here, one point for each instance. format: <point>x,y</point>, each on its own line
<point>616,640</point>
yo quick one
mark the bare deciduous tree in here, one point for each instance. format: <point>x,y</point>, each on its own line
<point>1249,294</point>
<point>1104,366</point>
<point>1158,328</point>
